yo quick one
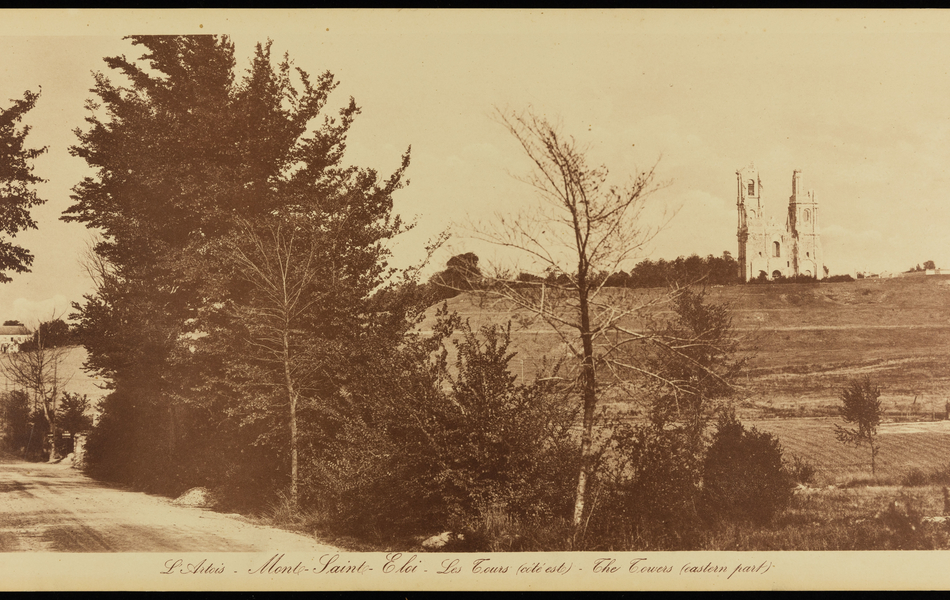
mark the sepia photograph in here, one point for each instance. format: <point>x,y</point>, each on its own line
<point>474,299</point>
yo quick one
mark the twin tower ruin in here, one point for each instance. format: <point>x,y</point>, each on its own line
<point>764,247</point>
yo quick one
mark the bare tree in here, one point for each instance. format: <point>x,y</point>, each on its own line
<point>582,231</point>
<point>96,266</point>
<point>279,260</point>
<point>39,372</point>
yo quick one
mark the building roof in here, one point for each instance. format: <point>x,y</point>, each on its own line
<point>14,330</point>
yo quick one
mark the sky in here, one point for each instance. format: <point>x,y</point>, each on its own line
<point>857,100</point>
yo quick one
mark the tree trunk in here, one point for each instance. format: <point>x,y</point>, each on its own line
<point>873,454</point>
<point>292,397</point>
<point>51,419</point>
<point>589,393</point>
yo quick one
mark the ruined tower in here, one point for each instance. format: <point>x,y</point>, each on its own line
<point>764,246</point>
<point>803,225</point>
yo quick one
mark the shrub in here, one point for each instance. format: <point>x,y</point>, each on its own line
<point>17,422</point>
<point>838,279</point>
<point>915,478</point>
<point>648,499</point>
<point>71,416</point>
<point>744,479</point>
<point>436,451</point>
<point>800,470</point>
<point>904,523</point>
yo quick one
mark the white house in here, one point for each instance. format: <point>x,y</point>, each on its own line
<point>11,336</point>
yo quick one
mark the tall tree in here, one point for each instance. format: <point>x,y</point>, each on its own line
<point>162,146</point>
<point>582,230</point>
<point>203,181</point>
<point>16,181</point>
<point>308,274</point>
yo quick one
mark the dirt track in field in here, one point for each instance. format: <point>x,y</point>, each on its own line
<point>54,508</point>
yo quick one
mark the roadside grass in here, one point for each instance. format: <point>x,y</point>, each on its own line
<point>281,514</point>
<point>857,518</point>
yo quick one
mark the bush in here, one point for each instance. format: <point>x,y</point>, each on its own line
<point>434,451</point>
<point>915,478</point>
<point>744,479</point>
<point>904,523</point>
<point>801,471</point>
<point>20,434</point>
<point>71,416</point>
<point>837,279</point>
<point>648,499</point>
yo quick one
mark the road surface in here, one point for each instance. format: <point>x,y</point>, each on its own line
<point>54,508</point>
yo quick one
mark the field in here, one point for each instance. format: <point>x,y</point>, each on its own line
<point>924,446</point>
<point>804,343</point>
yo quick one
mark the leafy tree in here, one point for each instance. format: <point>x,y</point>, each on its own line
<point>16,180</point>
<point>51,334</point>
<point>693,366</point>
<point>503,441</point>
<point>309,273</point>
<point>711,270</point>
<point>188,157</point>
<point>928,265</point>
<point>72,414</point>
<point>15,406</point>
<point>861,405</point>
<point>164,150</point>
<point>461,274</point>
<point>424,447</point>
<point>12,323</point>
<point>652,484</point>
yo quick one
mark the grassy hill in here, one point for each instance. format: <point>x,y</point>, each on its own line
<point>804,340</point>
<point>76,380</point>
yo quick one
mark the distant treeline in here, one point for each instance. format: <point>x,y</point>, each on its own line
<point>714,270</point>
<point>463,274</point>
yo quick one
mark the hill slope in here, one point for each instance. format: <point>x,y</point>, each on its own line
<point>805,340</point>
<point>76,380</point>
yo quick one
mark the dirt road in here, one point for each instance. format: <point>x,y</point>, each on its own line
<point>54,508</point>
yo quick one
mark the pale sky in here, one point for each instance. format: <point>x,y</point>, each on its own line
<point>858,100</point>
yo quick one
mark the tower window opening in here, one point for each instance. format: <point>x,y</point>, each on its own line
<point>751,188</point>
<point>808,255</point>
<point>776,249</point>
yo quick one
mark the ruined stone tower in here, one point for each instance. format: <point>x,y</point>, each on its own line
<point>764,246</point>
